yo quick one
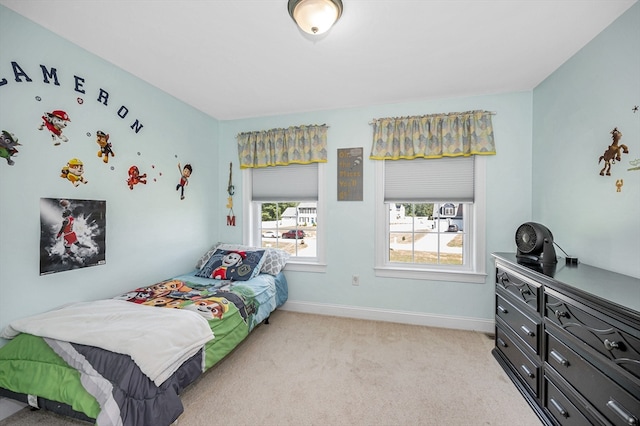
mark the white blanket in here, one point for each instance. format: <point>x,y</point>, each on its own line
<point>158,340</point>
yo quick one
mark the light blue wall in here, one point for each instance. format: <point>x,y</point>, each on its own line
<point>351,224</point>
<point>151,234</point>
<point>574,111</point>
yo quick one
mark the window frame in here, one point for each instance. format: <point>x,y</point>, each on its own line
<point>253,220</point>
<point>474,272</point>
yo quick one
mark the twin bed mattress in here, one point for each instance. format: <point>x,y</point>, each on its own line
<point>123,361</point>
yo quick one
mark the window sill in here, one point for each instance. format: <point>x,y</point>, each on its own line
<point>292,265</point>
<point>421,274</point>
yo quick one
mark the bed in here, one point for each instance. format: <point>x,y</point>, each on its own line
<point>125,360</point>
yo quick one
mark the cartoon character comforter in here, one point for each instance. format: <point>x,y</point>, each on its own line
<point>123,362</point>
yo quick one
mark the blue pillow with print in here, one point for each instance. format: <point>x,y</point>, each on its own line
<point>233,265</point>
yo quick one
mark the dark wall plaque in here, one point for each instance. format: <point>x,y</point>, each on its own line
<point>350,174</point>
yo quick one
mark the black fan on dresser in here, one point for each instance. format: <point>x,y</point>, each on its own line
<point>535,244</point>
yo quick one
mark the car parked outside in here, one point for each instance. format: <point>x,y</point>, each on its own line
<point>269,234</point>
<point>297,234</point>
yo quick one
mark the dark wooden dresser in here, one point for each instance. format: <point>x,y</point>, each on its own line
<point>569,339</point>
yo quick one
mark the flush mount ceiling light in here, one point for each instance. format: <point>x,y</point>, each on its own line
<point>315,16</point>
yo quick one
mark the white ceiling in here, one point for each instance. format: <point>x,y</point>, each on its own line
<point>246,58</point>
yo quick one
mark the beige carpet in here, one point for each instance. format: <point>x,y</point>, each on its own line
<point>317,370</point>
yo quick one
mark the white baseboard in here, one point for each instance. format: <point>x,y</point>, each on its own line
<point>9,407</point>
<point>414,318</point>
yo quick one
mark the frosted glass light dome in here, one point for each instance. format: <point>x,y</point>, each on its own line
<point>315,16</point>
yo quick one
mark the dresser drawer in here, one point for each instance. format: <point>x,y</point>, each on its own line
<point>526,369</point>
<point>524,290</point>
<point>610,400</point>
<point>525,327</point>
<point>560,407</point>
<point>600,333</point>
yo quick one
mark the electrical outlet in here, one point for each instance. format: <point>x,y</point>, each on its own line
<point>355,280</point>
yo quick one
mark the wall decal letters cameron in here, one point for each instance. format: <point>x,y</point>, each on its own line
<point>50,75</point>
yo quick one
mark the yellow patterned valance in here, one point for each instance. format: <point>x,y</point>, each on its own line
<point>433,136</point>
<point>280,147</point>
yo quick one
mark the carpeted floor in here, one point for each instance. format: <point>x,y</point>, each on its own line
<point>306,369</point>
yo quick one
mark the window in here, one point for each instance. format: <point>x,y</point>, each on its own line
<point>430,219</point>
<point>290,226</point>
<point>286,210</point>
<point>428,233</point>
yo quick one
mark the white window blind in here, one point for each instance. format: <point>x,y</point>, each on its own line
<point>429,181</point>
<point>295,182</point>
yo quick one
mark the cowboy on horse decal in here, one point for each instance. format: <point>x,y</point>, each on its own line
<point>612,154</point>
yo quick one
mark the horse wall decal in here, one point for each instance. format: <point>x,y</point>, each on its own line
<point>612,153</point>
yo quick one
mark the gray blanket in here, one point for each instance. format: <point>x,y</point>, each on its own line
<point>127,397</point>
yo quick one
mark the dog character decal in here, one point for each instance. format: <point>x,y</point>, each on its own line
<point>55,122</point>
<point>135,177</point>
<point>8,143</point>
<point>73,172</point>
<point>106,148</point>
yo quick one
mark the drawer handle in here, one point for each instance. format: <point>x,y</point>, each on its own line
<point>559,358</point>
<point>502,343</point>
<point>611,345</point>
<point>527,372</point>
<point>559,408</point>
<point>628,418</point>
<point>561,314</point>
<point>503,310</point>
<point>527,331</point>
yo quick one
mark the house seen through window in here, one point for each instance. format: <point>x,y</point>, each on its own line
<point>290,226</point>
<point>427,233</point>
<point>285,211</point>
<point>422,235</point>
